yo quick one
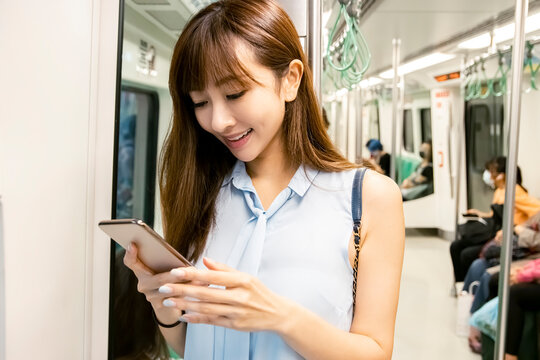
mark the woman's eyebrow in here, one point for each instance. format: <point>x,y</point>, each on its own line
<point>231,79</point>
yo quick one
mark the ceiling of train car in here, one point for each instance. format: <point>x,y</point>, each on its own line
<point>421,24</point>
<point>168,15</point>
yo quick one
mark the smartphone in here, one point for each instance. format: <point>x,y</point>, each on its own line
<point>154,251</point>
<point>469,215</point>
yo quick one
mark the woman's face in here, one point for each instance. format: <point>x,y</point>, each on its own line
<point>499,179</point>
<point>246,119</point>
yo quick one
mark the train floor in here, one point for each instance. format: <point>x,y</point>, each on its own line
<point>426,317</point>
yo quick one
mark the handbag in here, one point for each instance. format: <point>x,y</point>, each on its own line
<point>356,211</point>
<point>492,251</point>
<point>477,232</point>
<point>464,303</point>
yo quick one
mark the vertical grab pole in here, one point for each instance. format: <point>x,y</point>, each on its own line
<point>315,53</point>
<point>460,128</point>
<point>359,123</point>
<point>513,137</point>
<point>396,43</point>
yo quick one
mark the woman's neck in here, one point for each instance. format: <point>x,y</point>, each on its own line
<point>271,165</point>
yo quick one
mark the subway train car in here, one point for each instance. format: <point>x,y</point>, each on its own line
<point>440,89</point>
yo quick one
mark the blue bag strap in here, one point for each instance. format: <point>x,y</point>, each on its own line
<point>356,204</point>
<point>356,209</point>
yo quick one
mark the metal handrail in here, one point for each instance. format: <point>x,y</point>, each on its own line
<point>511,171</point>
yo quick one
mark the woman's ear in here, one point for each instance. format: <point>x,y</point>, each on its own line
<point>291,81</point>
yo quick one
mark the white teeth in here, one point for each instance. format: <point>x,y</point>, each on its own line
<point>241,136</point>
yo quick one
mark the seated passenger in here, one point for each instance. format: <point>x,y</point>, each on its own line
<point>420,183</point>
<point>465,250</point>
<point>528,236</point>
<point>378,157</point>
<point>523,297</point>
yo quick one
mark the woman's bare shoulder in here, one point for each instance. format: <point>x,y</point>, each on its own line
<point>380,190</point>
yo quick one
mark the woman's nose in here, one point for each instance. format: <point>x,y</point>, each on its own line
<point>222,120</point>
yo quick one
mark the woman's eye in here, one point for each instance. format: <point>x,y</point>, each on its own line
<point>236,96</point>
<point>199,104</point>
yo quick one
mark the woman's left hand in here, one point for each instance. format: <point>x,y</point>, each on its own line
<point>243,304</point>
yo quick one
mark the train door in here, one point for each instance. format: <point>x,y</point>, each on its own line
<point>484,124</point>
<point>134,197</point>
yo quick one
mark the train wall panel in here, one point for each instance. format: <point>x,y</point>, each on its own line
<point>442,100</point>
<point>529,141</point>
<point>44,136</point>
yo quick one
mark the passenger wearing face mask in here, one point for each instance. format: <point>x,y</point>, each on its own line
<point>525,206</point>
<point>467,249</point>
<point>420,183</point>
<point>378,157</point>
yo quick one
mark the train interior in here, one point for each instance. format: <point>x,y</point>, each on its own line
<point>438,39</point>
<point>432,71</point>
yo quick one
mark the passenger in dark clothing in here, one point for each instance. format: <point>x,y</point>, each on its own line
<point>420,183</point>
<point>378,157</point>
<point>523,297</point>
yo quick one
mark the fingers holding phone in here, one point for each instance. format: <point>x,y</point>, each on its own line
<point>149,284</point>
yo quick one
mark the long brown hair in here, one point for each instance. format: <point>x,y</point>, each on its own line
<point>193,162</point>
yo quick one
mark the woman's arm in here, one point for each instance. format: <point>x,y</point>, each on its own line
<point>379,274</point>
<point>480,213</point>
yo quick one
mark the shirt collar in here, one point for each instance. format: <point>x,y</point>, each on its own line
<point>300,182</point>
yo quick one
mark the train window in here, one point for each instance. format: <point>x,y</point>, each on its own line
<point>408,132</point>
<point>374,130</point>
<point>481,136</point>
<point>136,155</point>
<point>425,117</point>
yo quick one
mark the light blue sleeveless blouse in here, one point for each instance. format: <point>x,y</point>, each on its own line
<point>298,248</point>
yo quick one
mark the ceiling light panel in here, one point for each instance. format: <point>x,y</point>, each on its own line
<point>151,2</point>
<point>172,20</point>
<point>418,64</point>
<point>500,34</point>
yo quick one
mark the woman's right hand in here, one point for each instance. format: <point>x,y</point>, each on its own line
<point>149,284</point>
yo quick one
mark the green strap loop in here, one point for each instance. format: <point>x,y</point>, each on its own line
<point>533,69</point>
<point>501,76</point>
<point>354,57</point>
<point>483,80</point>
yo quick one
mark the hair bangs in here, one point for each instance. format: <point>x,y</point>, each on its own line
<point>211,59</point>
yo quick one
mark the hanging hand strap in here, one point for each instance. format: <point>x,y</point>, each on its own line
<point>356,209</point>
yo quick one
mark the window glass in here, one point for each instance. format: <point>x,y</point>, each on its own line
<point>481,134</point>
<point>408,133</point>
<point>425,117</point>
<point>137,140</point>
<point>374,131</point>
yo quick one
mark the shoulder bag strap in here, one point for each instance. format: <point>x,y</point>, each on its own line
<point>356,209</point>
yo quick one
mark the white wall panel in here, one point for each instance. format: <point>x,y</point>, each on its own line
<point>46,118</point>
<point>529,145</point>
<point>298,12</point>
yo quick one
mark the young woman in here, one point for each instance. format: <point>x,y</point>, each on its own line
<point>253,190</point>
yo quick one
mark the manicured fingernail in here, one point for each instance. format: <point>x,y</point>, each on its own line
<point>129,247</point>
<point>165,290</point>
<point>183,318</point>
<point>178,272</point>
<point>169,303</point>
